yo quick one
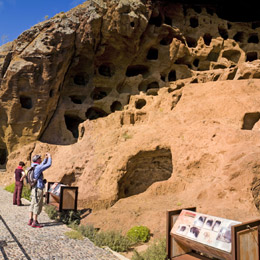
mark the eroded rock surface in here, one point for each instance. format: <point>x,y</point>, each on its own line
<point>145,105</point>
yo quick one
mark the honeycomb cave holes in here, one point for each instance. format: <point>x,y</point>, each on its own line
<point>144,169</point>
<point>95,113</point>
<point>106,69</point>
<point>140,103</point>
<point>249,120</point>
<point>152,54</point>
<point>134,70</point>
<point>26,102</point>
<point>72,122</point>
<point>116,106</point>
<point>100,93</point>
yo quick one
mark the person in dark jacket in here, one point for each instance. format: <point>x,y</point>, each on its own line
<point>19,175</point>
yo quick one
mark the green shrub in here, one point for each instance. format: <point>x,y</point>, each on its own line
<point>156,251</point>
<point>70,217</point>
<point>138,234</point>
<point>74,234</point>
<point>113,240</point>
<point>88,231</point>
<point>51,211</point>
<point>26,193</point>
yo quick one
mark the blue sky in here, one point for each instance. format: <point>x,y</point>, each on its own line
<point>16,16</point>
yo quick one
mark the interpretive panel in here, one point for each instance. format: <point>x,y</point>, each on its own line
<point>55,188</point>
<point>205,229</point>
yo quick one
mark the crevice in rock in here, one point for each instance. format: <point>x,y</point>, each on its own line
<point>144,169</point>
<point>249,120</point>
<point>7,61</point>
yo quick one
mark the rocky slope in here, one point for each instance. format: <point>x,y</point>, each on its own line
<point>145,106</point>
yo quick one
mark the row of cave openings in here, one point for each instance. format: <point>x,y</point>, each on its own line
<point>240,36</point>
<point>72,121</point>
<point>146,167</point>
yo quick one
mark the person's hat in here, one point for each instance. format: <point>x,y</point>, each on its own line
<point>36,157</point>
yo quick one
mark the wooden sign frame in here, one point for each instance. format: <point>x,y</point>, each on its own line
<point>245,241</point>
<point>68,199</point>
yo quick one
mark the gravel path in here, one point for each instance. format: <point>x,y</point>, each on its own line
<point>18,241</point>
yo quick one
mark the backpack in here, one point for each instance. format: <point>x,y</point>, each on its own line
<point>30,177</point>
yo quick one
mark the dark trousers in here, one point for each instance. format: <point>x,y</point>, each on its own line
<point>18,193</point>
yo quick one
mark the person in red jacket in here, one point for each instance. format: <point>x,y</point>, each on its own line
<point>19,175</point>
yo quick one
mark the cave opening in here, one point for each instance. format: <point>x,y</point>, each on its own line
<point>72,122</point>
<point>251,56</point>
<point>100,93</point>
<point>3,158</point>
<point>95,113</point>
<point>140,103</point>
<point>172,76</point>
<point>134,70</point>
<point>249,120</point>
<point>26,102</point>
<point>77,99</point>
<point>79,80</point>
<point>144,169</point>
<point>116,106</point>
<point>152,54</point>
<point>106,70</point>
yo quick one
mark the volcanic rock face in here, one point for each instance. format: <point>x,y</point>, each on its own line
<point>138,100</point>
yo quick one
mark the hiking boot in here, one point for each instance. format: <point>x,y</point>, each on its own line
<point>30,222</point>
<point>36,224</point>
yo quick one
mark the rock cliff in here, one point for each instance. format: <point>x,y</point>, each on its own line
<point>144,105</point>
